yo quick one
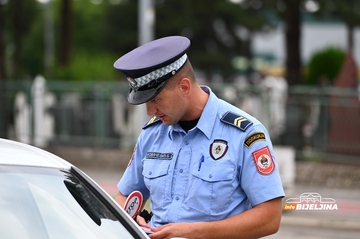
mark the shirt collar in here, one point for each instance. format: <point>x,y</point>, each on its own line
<point>207,119</point>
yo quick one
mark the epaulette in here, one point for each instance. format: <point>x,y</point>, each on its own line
<point>153,120</point>
<point>236,120</point>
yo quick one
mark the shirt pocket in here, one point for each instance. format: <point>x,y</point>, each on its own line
<point>156,179</point>
<point>211,187</point>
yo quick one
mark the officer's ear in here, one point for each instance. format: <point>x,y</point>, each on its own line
<point>184,85</point>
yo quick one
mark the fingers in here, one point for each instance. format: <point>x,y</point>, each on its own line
<point>162,232</point>
<point>141,221</point>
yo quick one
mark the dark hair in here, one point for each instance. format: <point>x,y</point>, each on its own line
<point>186,71</point>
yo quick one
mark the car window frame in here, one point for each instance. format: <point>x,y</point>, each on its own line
<point>112,206</point>
<point>125,220</point>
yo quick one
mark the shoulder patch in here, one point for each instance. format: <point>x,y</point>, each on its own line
<point>236,120</point>
<point>263,160</point>
<point>252,138</point>
<point>153,120</point>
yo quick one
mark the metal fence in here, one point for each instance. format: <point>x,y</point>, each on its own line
<point>319,123</point>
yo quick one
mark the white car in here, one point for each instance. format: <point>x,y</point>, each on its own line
<point>44,196</point>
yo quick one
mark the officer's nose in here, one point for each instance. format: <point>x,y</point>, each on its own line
<point>150,108</point>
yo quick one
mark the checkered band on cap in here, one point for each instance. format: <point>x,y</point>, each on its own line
<point>141,81</point>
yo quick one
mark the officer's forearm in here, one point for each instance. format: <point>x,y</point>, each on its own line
<point>120,199</point>
<point>262,220</point>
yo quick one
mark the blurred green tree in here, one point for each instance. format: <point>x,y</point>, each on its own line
<point>218,30</point>
<point>347,11</point>
<point>324,66</point>
<point>66,23</point>
<point>2,43</point>
<point>17,18</point>
<point>83,53</point>
<point>95,33</point>
<point>84,31</point>
<point>288,12</point>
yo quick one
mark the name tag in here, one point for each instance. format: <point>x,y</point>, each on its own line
<point>158,155</point>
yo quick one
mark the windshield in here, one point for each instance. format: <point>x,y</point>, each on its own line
<point>50,203</point>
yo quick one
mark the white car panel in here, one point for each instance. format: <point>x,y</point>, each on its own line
<point>16,153</point>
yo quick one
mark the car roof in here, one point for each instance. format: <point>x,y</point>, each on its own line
<point>20,154</point>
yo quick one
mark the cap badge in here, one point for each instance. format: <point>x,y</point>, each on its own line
<point>131,81</point>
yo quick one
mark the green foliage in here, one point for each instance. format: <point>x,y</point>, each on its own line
<point>325,65</point>
<point>119,33</point>
<point>88,25</point>
<point>213,28</point>
<point>89,66</point>
<point>17,26</point>
<point>219,31</point>
<point>111,27</point>
<point>345,10</point>
<point>33,48</point>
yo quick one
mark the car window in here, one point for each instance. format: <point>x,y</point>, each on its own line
<point>49,203</point>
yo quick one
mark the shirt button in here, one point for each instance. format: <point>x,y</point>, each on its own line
<point>150,173</point>
<point>186,142</point>
<point>177,198</point>
<point>181,170</point>
<point>210,175</point>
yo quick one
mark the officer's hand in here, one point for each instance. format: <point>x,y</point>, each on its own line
<point>171,230</point>
<point>141,221</point>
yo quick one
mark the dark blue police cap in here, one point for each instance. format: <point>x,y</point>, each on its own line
<point>148,67</point>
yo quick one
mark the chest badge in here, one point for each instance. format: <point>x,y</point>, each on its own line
<point>218,148</point>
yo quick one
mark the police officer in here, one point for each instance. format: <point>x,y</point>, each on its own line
<point>207,167</point>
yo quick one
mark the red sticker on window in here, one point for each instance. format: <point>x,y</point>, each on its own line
<point>263,161</point>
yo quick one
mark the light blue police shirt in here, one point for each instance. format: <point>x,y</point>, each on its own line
<point>220,168</point>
